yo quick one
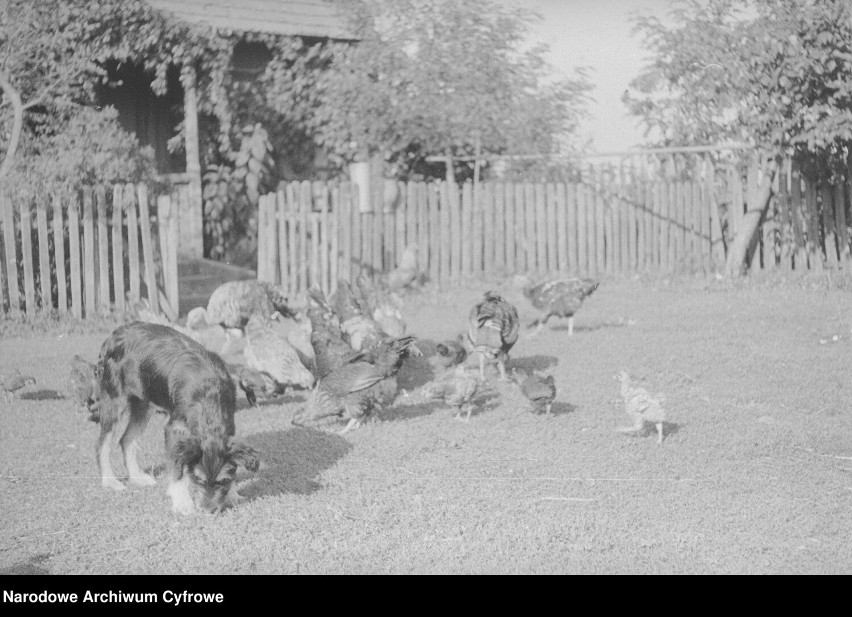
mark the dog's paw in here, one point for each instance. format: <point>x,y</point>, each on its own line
<point>233,498</point>
<point>143,480</point>
<point>181,499</point>
<point>112,483</point>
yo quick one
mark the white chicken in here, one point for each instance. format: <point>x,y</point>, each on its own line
<point>641,407</point>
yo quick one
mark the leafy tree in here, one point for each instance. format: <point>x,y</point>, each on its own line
<point>773,73</point>
<point>432,76</point>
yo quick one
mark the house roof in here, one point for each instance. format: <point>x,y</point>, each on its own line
<point>319,18</point>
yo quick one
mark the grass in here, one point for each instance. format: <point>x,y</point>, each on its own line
<point>754,476</point>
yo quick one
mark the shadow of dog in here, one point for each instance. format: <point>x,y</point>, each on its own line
<point>292,459</point>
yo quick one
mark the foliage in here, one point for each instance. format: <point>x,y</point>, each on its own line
<point>430,77</point>
<point>91,148</point>
<point>769,72</point>
<point>231,197</point>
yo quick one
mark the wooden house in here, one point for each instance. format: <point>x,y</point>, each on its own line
<point>153,118</point>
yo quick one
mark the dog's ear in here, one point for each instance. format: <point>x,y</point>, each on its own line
<point>184,449</point>
<point>243,455</point>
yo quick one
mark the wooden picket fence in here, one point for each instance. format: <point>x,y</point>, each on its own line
<point>607,223</point>
<point>313,232</point>
<point>89,254</point>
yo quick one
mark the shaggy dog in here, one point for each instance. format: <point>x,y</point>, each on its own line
<point>145,367</point>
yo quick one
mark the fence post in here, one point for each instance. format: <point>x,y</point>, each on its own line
<point>148,248</point>
<point>10,248</point>
<point>43,256</point>
<point>118,246</point>
<point>103,250</point>
<point>27,254</point>
<point>132,241</point>
<point>59,254</point>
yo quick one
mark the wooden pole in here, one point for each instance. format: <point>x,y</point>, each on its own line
<point>190,216</point>
<point>43,257</point>
<point>10,248</point>
<point>148,248</point>
<point>59,254</point>
<point>118,246</point>
<point>132,241</point>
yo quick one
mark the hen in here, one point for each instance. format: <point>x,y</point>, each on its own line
<point>359,388</point>
<point>253,382</point>
<point>560,297</point>
<point>82,385</point>
<point>382,305</point>
<point>540,390</point>
<point>269,352</point>
<point>456,388</point>
<point>233,303</point>
<point>405,274</point>
<point>492,331</point>
<point>641,407</point>
<point>330,350</point>
<point>449,354</point>
<point>11,381</point>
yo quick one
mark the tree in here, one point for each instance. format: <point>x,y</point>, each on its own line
<point>430,76</point>
<point>772,73</point>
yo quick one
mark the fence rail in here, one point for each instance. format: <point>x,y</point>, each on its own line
<point>81,253</point>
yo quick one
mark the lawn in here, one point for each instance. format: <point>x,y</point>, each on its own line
<point>754,476</point>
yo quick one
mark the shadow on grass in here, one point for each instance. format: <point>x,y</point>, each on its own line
<point>563,327</point>
<point>33,566</point>
<point>529,364</point>
<point>292,460</point>
<point>42,395</point>
<point>294,396</point>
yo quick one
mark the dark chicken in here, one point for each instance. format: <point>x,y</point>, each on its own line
<point>82,386</point>
<point>365,385</point>
<point>331,351</point>
<point>449,354</point>
<point>253,382</point>
<point>541,391</point>
<point>560,297</point>
<point>456,388</point>
<point>492,331</point>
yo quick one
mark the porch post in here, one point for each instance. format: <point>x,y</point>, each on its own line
<point>191,235</point>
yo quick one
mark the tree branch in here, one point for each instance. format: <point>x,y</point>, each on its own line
<point>17,124</point>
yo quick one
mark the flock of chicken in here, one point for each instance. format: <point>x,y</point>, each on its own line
<point>348,349</point>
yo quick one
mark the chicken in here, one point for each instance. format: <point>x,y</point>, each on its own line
<point>233,303</point>
<point>641,407</point>
<point>560,297</point>
<point>359,388</point>
<point>330,350</point>
<point>449,354</point>
<point>346,302</point>
<point>268,352</point>
<point>540,390</point>
<point>492,331</point>
<point>252,382</point>
<point>11,381</point>
<point>456,388</point>
<point>405,274</point>
<point>382,305</point>
<point>353,391</point>
<point>83,384</point>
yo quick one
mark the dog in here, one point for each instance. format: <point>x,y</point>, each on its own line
<point>145,367</point>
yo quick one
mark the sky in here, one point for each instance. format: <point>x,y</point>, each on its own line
<point>597,33</point>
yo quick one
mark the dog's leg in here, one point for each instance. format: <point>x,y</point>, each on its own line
<point>139,413</point>
<point>179,492</point>
<point>108,418</point>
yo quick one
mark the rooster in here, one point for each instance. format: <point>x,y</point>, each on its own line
<point>559,298</point>
<point>456,388</point>
<point>359,388</point>
<point>11,381</point>
<point>641,407</point>
<point>269,352</point>
<point>492,331</point>
<point>541,391</point>
<point>82,385</point>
